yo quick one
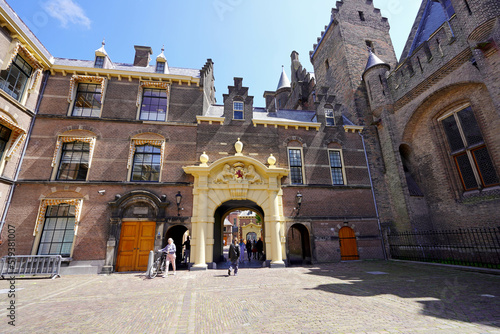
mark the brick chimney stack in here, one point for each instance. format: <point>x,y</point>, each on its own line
<point>142,55</point>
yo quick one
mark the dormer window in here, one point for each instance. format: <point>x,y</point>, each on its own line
<point>99,62</point>
<point>238,110</point>
<point>329,118</point>
<point>160,67</point>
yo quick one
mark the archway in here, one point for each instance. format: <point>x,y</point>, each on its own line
<point>298,245</point>
<point>220,214</point>
<point>348,244</point>
<point>248,182</point>
<point>177,233</point>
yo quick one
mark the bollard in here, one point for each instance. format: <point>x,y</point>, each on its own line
<point>150,261</point>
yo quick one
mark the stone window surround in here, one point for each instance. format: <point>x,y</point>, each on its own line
<point>73,88</point>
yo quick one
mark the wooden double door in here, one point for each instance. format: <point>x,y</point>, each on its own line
<point>137,239</point>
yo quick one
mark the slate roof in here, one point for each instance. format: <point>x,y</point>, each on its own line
<point>127,67</point>
<point>373,60</point>
<point>284,81</point>
<point>303,116</point>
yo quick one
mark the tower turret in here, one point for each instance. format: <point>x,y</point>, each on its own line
<point>375,79</point>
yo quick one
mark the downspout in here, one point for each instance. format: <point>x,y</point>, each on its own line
<point>23,153</point>
<point>373,195</point>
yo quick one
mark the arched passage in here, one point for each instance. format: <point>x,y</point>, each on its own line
<point>298,245</point>
<point>177,233</point>
<point>220,214</point>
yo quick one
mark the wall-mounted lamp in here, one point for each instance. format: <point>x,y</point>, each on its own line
<point>178,199</point>
<point>298,202</point>
<point>163,198</point>
<point>101,192</point>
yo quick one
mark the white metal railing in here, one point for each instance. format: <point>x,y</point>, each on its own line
<point>30,265</point>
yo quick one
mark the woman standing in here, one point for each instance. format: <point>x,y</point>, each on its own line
<point>242,251</point>
<point>170,249</point>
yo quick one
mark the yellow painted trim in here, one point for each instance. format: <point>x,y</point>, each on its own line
<point>287,124</point>
<point>18,33</point>
<point>128,74</point>
<point>353,128</point>
<point>210,119</point>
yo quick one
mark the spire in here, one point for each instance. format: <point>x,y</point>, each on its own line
<point>284,81</point>
<point>373,60</point>
<point>101,51</point>
<point>161,56</point>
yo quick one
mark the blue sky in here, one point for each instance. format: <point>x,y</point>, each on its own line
<point>245,38</point>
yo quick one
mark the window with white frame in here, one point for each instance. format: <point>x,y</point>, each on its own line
<point>336,167</point>
<point>14,79</point>
<point>468,150</point>
<point>154,105</point>
<point>329,118</point>
<point>238,110</point>
<point>88,100</point>
<point>58,230</point>
<point>296,166</point>
<point>99,62</point>
<point>146,165</point>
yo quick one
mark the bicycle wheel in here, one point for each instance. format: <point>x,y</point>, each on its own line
<point>153,271</point>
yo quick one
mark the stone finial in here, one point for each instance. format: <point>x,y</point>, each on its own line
<point>239,147</point>
<point>204,159</point>
<point>271,161</point>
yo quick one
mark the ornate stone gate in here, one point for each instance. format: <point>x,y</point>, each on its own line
<point>232,178</point>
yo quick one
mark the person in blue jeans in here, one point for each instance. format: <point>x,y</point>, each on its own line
<point>234,256</point>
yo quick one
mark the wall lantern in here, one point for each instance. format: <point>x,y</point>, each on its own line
<point>178,199</point>
<point>298,202</point>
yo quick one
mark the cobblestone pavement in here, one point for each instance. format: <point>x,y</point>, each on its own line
<point>354,297</point>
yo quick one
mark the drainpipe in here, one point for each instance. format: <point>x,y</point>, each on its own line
<point>373,194</point>
<point>23,153</point>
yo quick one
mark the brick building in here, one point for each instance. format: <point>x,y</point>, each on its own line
<point>123,156</point>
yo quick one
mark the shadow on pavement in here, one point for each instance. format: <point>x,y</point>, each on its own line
<point>442,292</point>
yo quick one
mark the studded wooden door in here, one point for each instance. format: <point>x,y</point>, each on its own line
<point>348,244</point>
<point>136,241</point>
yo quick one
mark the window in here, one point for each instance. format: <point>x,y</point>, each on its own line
<point>160,67</point>
<point>295,161</point>
<point>13,80</point>
<point>58,230</point>
<point>154,105</point>
<point>99,62</point>
<point>336,167</point>
<point>237,110</point>
<point>370,46</point>
<point>468,150</point>
<point>74,163</point>
<point>361,16</point>
<point>327,64</point>
<point>147,163</point>
<point>88,100</point>
<point>4,138</point>
<point>329,119</point>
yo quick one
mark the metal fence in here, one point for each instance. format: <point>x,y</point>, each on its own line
<point>478,247</point>
<point>30,265</point>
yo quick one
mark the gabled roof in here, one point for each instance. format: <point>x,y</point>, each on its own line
<point>284,81</point>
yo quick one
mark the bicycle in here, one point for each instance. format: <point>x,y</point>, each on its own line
<point>158,265</point>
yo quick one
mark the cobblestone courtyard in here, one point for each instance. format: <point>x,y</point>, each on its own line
<point>356,297</point>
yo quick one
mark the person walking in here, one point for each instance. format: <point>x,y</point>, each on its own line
<point>242,251</point>
<point>234,255</point>
<point>260,248</point>
<point>249,249</point>
<point>187,250</point>
<point>170,249</point>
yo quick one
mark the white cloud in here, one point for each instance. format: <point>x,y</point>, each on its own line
<point>67,11</point>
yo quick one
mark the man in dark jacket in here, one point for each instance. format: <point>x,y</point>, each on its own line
<point>234,255</point>
<point>260,248</point>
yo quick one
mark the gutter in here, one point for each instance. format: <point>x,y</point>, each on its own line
<point>19,165</point>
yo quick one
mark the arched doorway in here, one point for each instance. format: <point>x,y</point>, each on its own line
<point>348,244</point>
<point>298,245</point>
<point>178,234</point>
<point>220,214</point>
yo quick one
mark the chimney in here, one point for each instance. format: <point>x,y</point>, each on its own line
<point>142,55</point>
